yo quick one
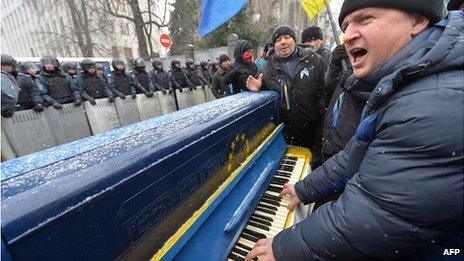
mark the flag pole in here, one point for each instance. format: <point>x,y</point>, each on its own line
<point>335,32</point>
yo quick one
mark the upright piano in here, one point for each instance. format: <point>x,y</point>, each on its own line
<point>198,184</point>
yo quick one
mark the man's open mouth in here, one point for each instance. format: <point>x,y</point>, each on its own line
<point>358,54</point>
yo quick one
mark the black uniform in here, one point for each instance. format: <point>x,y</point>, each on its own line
<point>58,87</point>
<point>160,80</point>
<point>29,95</point>
<point>93,85</point>
<point>179,78</point>
<point>219,88</point>
<point>301,110</point>
<point>194,78</point>
<point>122,83</point>
<point>145,84</point>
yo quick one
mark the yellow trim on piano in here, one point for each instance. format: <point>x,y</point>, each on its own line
<point>186,226</point>
<point>300,152</point>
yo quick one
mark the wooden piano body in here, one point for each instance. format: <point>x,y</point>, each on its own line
<point>181,186</point>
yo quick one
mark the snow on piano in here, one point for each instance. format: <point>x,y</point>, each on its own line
<point>200,183</point>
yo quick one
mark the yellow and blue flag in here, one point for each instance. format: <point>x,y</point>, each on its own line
<point>313,7</point>
<point>216,12</point>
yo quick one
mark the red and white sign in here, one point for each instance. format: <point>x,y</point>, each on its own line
<point>165,40</point>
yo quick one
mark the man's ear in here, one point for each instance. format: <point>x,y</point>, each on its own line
<point>421,23</point>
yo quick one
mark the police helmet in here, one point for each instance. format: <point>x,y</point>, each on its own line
<point>49,59</point>
<point>25,66</point>
<point>189,62</point>
<point>139,63</point>
<point>174,62</point>
<point>117,62</point>
<point>87,64</point>
<point>69,66</point>
<point>157,62</point>
<point>8,60</point>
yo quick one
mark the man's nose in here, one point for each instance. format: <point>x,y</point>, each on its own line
<point>351,33</point>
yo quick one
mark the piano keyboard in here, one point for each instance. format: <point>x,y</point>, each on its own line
<point>271,215</point>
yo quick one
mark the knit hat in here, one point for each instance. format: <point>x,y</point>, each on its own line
<point>311,33</point>
<point>223,57</point>
<point>454,5</point>
<point>282,30</point>
<point>432,9</point>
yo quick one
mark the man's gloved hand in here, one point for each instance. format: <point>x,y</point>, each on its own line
<point>38,107</point>
<point>194,87</point>
<point>77,102</point>
<point>149,94</point>
<point>180,89</point>
<point>190,89</point>
<point>134,96</point>
<point>203,87</point>
<point>122,96</point>
<point>164,91</point>
<point>170,91</point>
<point>8,113</point>
<point>57,106</point>
<point>338,54</point>
<point>111,99</point>
<point>92,100</point>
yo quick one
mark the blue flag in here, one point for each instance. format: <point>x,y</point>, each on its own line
<point>216,12</point>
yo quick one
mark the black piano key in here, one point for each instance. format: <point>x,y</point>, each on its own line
<point>261,221</point>
<point>248,237</point>
<point>286,168</point>
<point>235,257</point>
<point>277,183</point>
<point>243,246</point>
<point>289,162</point>
<point>271,202</point>
<point>263,217</point>
<point>254,233</point>
<point>267,206</point>
<point>291,158</point>
<point>257,225</point>
<point>269,196</point>
<point>266,211</point>
<point>274,189</point>
<point>283,180</point>
<point>239,251</point>
<point>285,174</point>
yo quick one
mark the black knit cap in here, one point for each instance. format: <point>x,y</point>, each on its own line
<point>432,9</point>
<point>454,5</point>
<point>282,30</point>
<point>311,33</point>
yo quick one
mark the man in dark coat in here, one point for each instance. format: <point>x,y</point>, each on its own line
<point>58,87</point>
<point>219,88</point>
<point>242,68</point>
<point>402,172</point>
<point>192,74</point>
<point>312,37</point>
<point>29,95</point>
<point>297,74</point>
<point>9,86</point>
<point>92,85</point>
<point>120,82</point>
<point>206,73</point>
<point>160,78</point>
<point>178,76</point>
<point>144,83</point>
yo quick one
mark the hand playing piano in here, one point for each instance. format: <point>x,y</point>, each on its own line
<point>263,250</point>
<point>289,189</point>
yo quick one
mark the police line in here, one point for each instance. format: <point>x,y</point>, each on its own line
<point>28,131</point>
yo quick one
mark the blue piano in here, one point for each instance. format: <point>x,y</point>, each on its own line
<point>197,184</point>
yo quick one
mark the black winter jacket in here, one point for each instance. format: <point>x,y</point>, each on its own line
<point>238,72</point>
<point>302,114</point>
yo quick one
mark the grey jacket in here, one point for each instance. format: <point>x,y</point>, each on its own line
<point>402,172</point>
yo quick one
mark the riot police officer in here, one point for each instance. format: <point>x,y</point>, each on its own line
<point>58,87</point>
<point>160,78</point>
<point>29,95</point>
<point>192,74</point>
<point>206,72</point>
<point>91,85</point>
<point>100,71</point>
<point>144,83</point>
<point>178,76</point>
<point>120,82</point>
<point>70,68</point>
<point>9,85</point>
